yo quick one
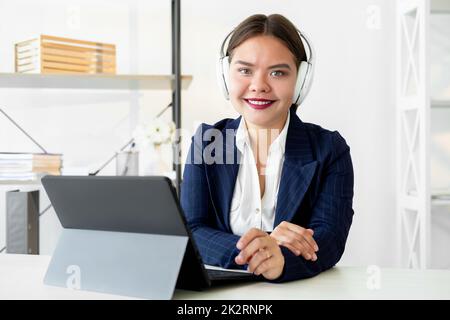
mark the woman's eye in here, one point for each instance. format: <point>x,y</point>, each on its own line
<point>244,71</point>
<point>277,73</point>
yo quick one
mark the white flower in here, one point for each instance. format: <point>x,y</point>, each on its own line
<point>156,132</point>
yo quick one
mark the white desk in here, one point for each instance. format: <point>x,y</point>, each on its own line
<point>21,277</point>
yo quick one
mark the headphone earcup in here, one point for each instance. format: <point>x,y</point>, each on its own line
<point>222,71</point>
<point>302,77</point>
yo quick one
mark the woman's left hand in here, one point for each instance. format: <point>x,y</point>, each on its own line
<point>262,254</point>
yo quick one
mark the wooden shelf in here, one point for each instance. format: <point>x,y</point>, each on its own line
<point>94,81</point>
<point>20,182</point>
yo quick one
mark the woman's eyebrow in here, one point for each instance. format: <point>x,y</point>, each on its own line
<point>280,65</point>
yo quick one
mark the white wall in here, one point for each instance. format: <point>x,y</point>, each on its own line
<point>353,90</point>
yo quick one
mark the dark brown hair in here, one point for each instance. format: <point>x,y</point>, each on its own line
<point>274,25</point>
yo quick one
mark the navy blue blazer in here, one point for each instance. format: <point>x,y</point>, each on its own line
<point>316,191</point>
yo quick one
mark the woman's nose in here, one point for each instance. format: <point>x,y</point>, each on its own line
<point>259,84</point>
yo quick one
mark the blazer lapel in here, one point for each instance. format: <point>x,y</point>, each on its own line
<point>222,177</point>
<point>298,170</point>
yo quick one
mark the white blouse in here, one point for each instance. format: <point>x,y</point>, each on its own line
<point>247,209</point>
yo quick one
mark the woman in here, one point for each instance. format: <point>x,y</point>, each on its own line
<point>266,191</point>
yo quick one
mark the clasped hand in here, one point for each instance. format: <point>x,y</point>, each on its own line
<point>262,252</point>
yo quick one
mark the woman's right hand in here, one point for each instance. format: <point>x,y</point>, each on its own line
<point>297,239</point>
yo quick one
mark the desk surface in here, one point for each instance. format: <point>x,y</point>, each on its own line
<point>21,277</point>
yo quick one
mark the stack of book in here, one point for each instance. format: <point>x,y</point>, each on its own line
<point>28,166</point>
<point>49,54</point>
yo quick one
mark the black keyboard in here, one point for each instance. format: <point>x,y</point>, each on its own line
<point>228,275</point>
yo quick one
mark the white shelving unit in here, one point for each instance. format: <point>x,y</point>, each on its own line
<point>131,84</point>
<point>415,101</point>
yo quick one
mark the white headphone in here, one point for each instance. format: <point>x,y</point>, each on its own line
<point>304,75</point>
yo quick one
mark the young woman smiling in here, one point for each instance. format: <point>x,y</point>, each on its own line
<point>283,207</point>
